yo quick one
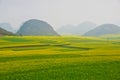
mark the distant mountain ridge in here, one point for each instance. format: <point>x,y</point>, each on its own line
<point>77,30</point>
<point>36,27</point>
<point>4,32</point>
<point>104,29</point>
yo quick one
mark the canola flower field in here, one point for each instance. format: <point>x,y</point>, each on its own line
<point>59,58</point>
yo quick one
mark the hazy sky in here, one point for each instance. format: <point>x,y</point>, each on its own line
<point>60,12</point>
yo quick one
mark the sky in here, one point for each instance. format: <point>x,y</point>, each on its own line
<point>60,12</point>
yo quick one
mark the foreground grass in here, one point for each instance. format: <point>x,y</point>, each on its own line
<point>59,58</point>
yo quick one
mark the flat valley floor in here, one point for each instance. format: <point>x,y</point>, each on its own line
<point>59,58</point>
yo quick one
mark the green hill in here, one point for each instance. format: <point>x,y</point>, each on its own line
<point>36,27</point>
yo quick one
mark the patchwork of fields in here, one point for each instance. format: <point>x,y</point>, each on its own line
<point>59,58</point>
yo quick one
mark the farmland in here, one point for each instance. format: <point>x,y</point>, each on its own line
<point>59,58</point>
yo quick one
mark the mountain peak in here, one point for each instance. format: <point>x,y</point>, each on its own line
<point>37,27</point>
<point>103,30</point>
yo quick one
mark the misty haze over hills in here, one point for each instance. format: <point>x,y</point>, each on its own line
<point>7,27</point>
<point>77,30</point>
<point>60,12</point>
<point>66,30</point>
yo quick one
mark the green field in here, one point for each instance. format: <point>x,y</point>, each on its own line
<point>59,58</point>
